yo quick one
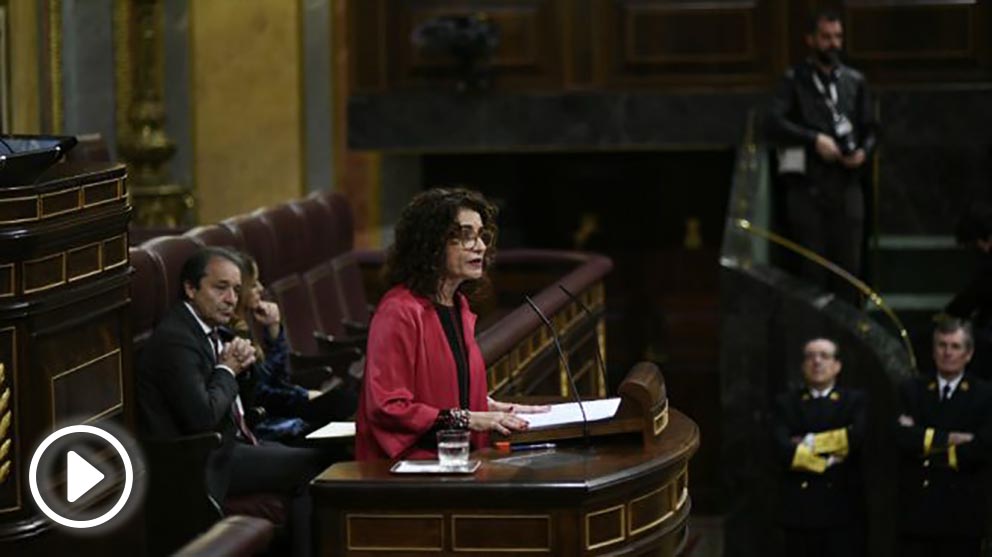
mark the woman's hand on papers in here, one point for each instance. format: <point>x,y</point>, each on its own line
<point>503,422</point>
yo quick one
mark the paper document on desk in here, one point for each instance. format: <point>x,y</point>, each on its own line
<point>334,429</point>
<point>569,413</point>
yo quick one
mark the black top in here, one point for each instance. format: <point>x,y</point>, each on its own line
<point>451,322</point>
<point>798,112</point>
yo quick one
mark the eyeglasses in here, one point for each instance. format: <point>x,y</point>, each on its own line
<point>469,238</point>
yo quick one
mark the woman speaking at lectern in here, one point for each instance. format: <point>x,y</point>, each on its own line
<point>424,371</point>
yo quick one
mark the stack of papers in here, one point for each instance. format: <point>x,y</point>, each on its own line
<point>569,413</point>
<point>334,429</point>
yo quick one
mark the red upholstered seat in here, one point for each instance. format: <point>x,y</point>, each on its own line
<point>318,218</point>
<point>171,252</point>
<point>217,235</point>
<point>148,295</point>
<point>258,241</point>
<point>351,289</point>
<point>322,284</point>
<point>291,236</point>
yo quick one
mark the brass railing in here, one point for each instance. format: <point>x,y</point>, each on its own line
<point>867,291</point>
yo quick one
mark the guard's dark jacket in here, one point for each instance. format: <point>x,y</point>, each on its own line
<point>832,498</point>
<point>942,491</point>
<point>798,112</point>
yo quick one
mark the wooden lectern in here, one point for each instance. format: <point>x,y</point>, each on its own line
<point>625,495</point>
<point>65,350</point>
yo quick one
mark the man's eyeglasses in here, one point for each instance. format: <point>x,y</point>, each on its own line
<point>469,238</point>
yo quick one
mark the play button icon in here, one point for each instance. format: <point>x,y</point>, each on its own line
<point>81,476</point>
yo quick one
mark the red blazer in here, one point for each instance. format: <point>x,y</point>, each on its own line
<point>410,376</point>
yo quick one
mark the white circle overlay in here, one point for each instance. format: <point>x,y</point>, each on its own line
<point>33,476</point>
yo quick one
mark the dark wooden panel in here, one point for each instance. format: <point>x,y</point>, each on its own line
<point>102,192</point>
<point>53,204</point>
<point>44,273</point>
<point>18,209</point>
<point>7,280</point>
<point>660,34</point>
<point>528,55</point>
<point>366,45</point>
<point>115,252</point>
<point>501,533</point>
<point>89,390</point>
<point>909,33</point>
<point>922,41</point>
<point>406,532</point>
<point>665,43</point>
<point>83,261</point>
<point>605,527</point>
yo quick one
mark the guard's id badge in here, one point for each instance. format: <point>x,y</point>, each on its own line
<point>842,125</point>
<point>792,160</point>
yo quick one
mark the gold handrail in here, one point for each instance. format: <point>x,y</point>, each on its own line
<point>811,255</point>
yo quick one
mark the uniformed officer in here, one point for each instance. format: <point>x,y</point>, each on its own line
<point>818,431</point>
<point>944,433</point>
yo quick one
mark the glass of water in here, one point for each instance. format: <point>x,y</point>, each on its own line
<point>452,448</point>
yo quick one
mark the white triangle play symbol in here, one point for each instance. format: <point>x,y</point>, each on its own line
<point>81,476</point>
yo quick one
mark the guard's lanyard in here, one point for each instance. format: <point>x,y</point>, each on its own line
<point>831,98</point>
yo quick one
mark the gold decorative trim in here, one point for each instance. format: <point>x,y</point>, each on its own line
<point>9,267</point>
<point>99,261</point>
<point>74,369</point>
<point>3,373</point>
<point>352,547</point>
<point>42,198</point>
<point>4,472</point>
<point>80,193</point>
<point>5,422</point>
<point>47,286</point>
<point>454,540</point>
<point>117,193</point>
<point>32,198</point>
<point>103,263</point>
<point>623,529</point>
<point>665,516</point>
<point>120,385</point>
<point>99,416</point>
<point>5,449</point>
<point>857,283</point>
<point>660,421</point>
<point>5,400</point>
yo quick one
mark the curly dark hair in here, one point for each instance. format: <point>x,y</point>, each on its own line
<point>417,257</point>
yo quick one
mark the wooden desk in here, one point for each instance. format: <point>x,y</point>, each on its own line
<point>618,498</point>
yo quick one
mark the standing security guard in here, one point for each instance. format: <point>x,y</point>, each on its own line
<point>818,431</point>
<point>821,119</point>
<point>944,436</point>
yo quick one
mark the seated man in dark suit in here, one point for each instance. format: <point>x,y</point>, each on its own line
<point>186,384</point>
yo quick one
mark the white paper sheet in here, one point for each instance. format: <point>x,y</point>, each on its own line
<point>432,467</point>
<point>334,429</point>
<point>569,413</point>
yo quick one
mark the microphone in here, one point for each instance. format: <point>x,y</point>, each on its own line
<point>588,312</point>
<point>568,370</point>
